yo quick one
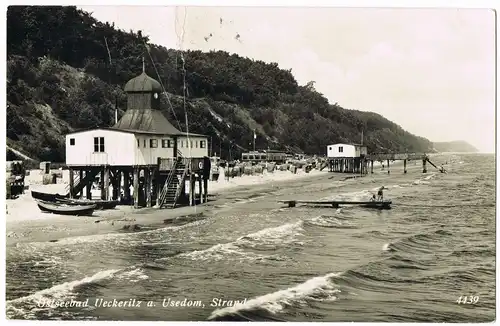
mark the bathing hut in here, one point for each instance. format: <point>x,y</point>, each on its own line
<point>349,158</point>
<point>143,150</point>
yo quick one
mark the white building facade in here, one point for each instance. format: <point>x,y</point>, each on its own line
<point>105,146</point>
<point>345,151</point>
<point>139,138</point>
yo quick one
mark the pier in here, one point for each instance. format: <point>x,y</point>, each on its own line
<point>386,204</point>
<point>359,165</point>
<point>405,157</point>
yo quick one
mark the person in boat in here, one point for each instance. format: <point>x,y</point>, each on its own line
<point>373,198</point>
<point>380,193</point>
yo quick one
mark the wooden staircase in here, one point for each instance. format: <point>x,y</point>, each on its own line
<point>80,184</point>
<point>174,185</point>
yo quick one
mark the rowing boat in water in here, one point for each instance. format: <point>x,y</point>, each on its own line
<point>62,209</point>
<point>47,197</point>
<point>99,203</point>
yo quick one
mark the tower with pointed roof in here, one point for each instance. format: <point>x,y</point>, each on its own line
<point>142,140</point>
<point>143,107</point>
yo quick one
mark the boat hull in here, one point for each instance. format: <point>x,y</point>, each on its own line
<point>47,197</point>
<point>100,204</point>
<point>75,210</point>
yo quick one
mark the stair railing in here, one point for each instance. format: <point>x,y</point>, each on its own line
<point>170,177</point>
<point>76,182</point>
<point>181,184</point>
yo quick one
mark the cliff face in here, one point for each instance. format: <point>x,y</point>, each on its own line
<point>458,146</point>
<point>60,78</point>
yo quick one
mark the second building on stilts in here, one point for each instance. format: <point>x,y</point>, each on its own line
<point>347,158</point>
<point>143,158</point>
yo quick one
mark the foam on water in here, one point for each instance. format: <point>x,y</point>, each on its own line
<point>280,235</point>
<point>57,292</point>
<point>318,289</point>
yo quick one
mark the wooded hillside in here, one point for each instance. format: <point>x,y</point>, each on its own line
<point>59,78</point>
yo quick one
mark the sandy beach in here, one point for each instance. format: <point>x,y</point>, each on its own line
<point>26,223</point>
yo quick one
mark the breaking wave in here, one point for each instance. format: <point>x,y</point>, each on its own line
<point>264,240</point>
<point>315,289</point>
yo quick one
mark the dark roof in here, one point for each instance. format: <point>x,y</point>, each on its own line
<point>146,120</point>
<point>143,83</point>
<point>129,131</point>
<point>352,144</point>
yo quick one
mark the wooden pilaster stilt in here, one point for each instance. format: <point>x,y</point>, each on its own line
<point>88,186</point>
<point>126,185</point>
<point>118,184</point>
<point>371,166</point>
<point>200,188</point>
<point>205,190</point>
<point>71,182</point>
<point>105,183</point>
<point>388,167</point>
<point>160,182</point>
<point>156,185</point>
<point>191,189</point>
<point>147,184</point>
<point>424,166</point>
<point>80,175</point>
<point>136,187</point>
<point>404,166</point>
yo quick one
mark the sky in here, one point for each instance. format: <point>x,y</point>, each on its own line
<point>432,71</point>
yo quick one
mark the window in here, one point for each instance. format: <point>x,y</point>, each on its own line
<point>341,149</point>
<point>72,141</point>
<point>167,143</point>
<point>191,143</point>
<point>244,157</point>
<point>202,144</point>
<point>153,143</point>
<point>330,148</point>
<point>138,143</point>
<point>99,144</point>
<point>196,144</point>
<point>182,143</point>
<point>145,143</point>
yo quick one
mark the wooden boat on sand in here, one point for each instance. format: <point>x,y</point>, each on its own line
<point>76,210</point>
<point>99,203</point>
<point>47,197</point>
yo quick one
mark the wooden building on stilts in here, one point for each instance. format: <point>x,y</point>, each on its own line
<point>143,157</point>
<point>347,158</point>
